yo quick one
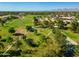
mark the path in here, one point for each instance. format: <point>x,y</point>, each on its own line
<point>70,40</point>
<point>8,48</point>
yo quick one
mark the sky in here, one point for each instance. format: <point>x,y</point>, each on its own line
<point>36,6</point>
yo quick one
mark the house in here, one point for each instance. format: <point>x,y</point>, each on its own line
<point>52,19</point>
<point>67,17</point>
<point>46,19</point>
<point>20,32</point>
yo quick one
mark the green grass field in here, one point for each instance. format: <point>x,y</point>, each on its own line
<point>16,23</point>
<point>72,35</point>
<point>28,20</point>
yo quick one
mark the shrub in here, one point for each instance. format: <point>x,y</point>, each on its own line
<point>0,37</point>
<point>9,39</point>
<point>14,53</point>
<point>1,45</point>
<point>32,43</point>
<point>74,26</point>
<point>29,28</point>
<point>3,40</point>
<point>12,30</point>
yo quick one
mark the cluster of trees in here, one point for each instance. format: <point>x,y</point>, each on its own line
<point>11,30</point>
<point>52,47</point>
<point>3,20</point>
<point>41,22</point>
<point>61,24</point>
<point>59,43</point>
<point>75,26</point>
<point>60,39</point>
<point>58,22</point>
<point>9,16</point>
<point>66,48</point>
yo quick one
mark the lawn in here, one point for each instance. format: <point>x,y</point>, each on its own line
<point>28,20</point>
<point>16,23</point>
<point>72,35</point>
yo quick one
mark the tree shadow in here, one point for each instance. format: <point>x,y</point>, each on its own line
<point>70,50</point>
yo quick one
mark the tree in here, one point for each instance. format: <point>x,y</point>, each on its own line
<point>1,45</point>
<point>51,25</point>
<point>30,28</point>
<point>61,24</point>
<point>60,39</point>
<point>11,30</point>
<point>0,37</point>
<point>77,28</point>
<point>36,21</point>
<point>35,32</point>
<point>9,39</point>
<point>74,26</point>
<point>32,43</point>
<point>2,22</point>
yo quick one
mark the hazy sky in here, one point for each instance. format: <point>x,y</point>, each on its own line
<point>36,6</point>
